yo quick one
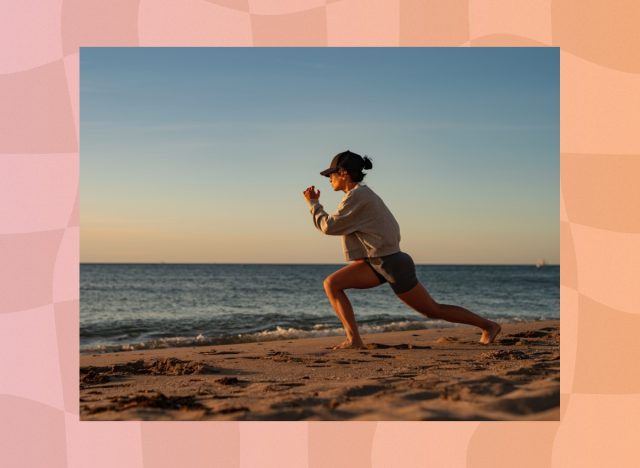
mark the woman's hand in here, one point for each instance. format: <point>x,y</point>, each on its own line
<point>311,194</point>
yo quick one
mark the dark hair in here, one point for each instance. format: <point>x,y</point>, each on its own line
<point>354,164</point>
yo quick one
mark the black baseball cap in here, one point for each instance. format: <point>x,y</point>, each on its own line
<point>340,160</point>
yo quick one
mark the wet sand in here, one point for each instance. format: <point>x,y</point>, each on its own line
<point>436,374</point>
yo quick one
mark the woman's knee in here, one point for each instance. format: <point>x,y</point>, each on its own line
<point>437,310</point>
<point>330,284</point>
<point>432,310</point>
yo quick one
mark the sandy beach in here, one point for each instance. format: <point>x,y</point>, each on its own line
<point>435,374</point>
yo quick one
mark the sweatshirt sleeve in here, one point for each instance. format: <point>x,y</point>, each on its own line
<point>347,219</point>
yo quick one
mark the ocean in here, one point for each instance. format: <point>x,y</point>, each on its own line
<point>142,306</point>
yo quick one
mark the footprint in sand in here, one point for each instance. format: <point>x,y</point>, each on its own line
<point>405,374</point>
<point>541,353</point>
<point>364,390</point>
<point>172,366</point>
<point>504,355</point>
<point>470,389</point>
<point>290,384</point>
<point>300,403</point>
<point>168,366</point>
<point>539,369</point>
<point>530,334</point>
<point>397,346</point>
<point>159,401</point>
<point>93,378</point>
<point>282,356</point>
<point>509,341</point>
<point>528,401</point>
<point>233,409</point>
<point>420,396</point>
<point>272,388</point>
<point>447,339</point>
<point>230,381</point>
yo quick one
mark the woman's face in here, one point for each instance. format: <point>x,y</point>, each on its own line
<point>337,180</point>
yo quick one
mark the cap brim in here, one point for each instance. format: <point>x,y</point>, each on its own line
<point>328,172</point>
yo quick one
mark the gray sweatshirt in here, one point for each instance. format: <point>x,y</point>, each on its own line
<point>367,227</point>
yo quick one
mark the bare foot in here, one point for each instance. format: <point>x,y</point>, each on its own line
<point>489,335</point>
<point>346,344</point>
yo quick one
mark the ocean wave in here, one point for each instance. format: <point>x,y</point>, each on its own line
<point>277,333</point>
<point>274,334</point>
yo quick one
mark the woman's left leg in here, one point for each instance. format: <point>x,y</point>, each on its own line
<point>356,275</point>
<point>419,299</point>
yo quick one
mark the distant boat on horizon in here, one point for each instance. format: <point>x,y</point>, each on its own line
<point>540,263</point>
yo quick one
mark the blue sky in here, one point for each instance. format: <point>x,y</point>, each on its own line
<point>202,154</point>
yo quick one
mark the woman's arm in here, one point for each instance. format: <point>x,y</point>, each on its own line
<point>345,220</point>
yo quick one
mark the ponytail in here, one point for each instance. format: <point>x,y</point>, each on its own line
<point>367,163</point>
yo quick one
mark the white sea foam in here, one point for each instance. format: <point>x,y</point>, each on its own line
<point>278,333</point>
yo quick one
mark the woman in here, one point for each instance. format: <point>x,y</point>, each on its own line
<point>371,240</point>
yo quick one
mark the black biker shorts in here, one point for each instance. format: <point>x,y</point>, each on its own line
<point>398,269</point>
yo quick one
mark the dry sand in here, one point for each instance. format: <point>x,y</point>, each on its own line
<point>436,374</point>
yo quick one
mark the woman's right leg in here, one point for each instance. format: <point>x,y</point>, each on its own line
<point>356,275</point>
<point>419,299</point>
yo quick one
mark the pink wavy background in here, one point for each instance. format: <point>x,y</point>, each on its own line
<point>39,233</point>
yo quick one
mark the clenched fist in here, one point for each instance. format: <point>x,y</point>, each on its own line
<point>311,194</point>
